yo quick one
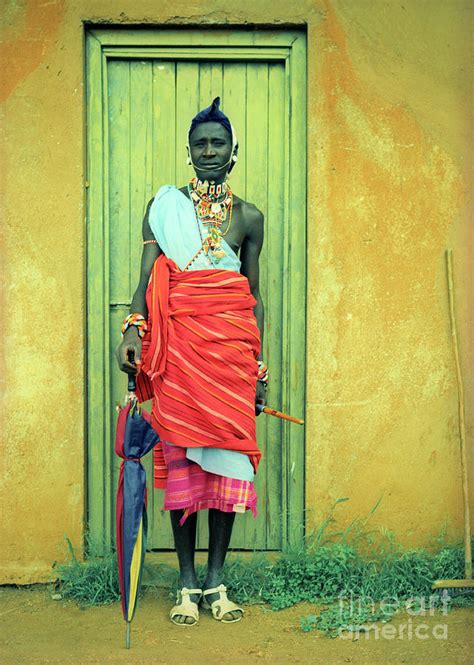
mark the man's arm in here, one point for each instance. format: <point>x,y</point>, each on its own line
<point>131,344</point>
<point>249,256</point>
<point>151,251</point>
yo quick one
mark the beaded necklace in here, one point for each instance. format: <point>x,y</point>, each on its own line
<point>213,205</point>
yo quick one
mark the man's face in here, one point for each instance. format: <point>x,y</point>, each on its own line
<point>211,146</point>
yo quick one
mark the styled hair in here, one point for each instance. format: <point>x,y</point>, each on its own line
<point>212,114</point>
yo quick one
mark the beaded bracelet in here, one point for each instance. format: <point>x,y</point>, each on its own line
<point>262,373</point>
<point>136,320</point>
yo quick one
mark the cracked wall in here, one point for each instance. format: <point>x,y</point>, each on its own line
<point>388,181</point>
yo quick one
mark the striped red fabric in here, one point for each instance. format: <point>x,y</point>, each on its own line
<point>199,360</point>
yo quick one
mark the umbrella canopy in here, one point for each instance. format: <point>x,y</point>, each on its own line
<point>135,438</point>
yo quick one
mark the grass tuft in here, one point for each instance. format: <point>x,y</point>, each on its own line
<point>94,582</point>
<point>330,569</point>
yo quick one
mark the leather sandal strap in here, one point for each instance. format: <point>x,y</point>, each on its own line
<point>185,606</point>
<point>186,609</point>
<point>222,606</point>
<point>187,592</point>
<point>216,589</point>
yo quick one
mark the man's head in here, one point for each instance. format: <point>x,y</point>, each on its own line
<point>212,144</point>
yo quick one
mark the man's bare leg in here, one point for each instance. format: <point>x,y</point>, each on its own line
<point>220,531</point>
<point>185,544</point>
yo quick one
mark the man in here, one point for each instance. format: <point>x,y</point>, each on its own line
<point>199,311</point>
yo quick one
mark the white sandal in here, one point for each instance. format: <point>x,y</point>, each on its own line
<point>186,607</point>
<point>222,606</point>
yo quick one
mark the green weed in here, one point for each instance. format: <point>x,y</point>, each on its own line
<point>332,568</point>
<point>331,620</point>
<point>94,582</point>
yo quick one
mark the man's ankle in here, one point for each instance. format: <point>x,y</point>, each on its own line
<point>189,581</point>
<point>212,580</point>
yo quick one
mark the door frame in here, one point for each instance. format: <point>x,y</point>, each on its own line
<point>229,44</point>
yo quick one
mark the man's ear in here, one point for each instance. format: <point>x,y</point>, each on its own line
<point>189,155</point>
<point>234,157</point>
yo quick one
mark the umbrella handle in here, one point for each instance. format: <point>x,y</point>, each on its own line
<point>132,380</point>
<point>132,383</point>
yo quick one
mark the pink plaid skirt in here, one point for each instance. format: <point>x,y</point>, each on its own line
<point>191,488</point>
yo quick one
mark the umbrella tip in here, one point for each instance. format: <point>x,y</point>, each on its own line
<point>127,636</point>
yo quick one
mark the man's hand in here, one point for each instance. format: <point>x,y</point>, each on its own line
<point>129,351</point>
<point>260,397</point>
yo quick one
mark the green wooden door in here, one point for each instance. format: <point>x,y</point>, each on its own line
<point>144,105</point>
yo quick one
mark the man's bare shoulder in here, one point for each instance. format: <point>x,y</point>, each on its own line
<point>248,209</point>
<point>147,233</point>
<point>252,216</point>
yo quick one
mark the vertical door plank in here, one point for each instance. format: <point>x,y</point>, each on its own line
<point>216,82</point>
<point>274,322</point>
<point>119,180</point>
<point>234,104</point>
<point>187,102</point>
<point>119,139</point>
<point>164,143</point>
<point>141,158</point>
<point>251,531</point>
<point>296,300</point>
<point>97,304</point>
<point>205,84</point>
<point>210,82</point>
<point>106,406</point>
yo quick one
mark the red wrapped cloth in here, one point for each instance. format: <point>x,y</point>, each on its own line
<point>199,361</point>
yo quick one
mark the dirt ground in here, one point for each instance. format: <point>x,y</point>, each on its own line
<point>37,629</point>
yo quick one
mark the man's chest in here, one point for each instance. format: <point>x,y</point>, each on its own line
<point>233,227</point>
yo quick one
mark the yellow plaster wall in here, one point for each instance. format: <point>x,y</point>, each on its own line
<point>388,149</point>
<point>391,98</point>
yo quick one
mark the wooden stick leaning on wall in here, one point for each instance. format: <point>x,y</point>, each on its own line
<point>466,583</point>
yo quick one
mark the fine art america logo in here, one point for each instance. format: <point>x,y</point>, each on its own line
<point>359,614</point>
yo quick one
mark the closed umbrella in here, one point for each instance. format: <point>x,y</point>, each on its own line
<point>135,438</point>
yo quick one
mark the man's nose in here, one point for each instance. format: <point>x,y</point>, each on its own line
<point>209,150</point>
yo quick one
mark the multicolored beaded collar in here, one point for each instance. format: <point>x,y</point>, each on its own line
<point>212,213</point>
<point>211,210</point>
<point>206,188</point>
